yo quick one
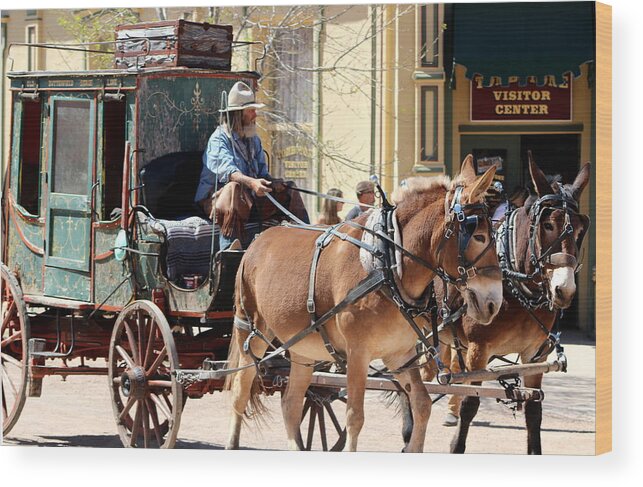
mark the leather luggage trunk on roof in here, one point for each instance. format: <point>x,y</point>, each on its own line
<point>174,43</point>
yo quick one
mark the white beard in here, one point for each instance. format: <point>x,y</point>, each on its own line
<point>250,130</point>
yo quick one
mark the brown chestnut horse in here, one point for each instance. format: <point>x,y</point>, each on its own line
<point>550,258</point>
<point>272,289</point>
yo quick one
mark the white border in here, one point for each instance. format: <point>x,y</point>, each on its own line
<point>85,467</point>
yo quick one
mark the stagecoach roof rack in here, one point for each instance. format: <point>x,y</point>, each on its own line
<point>86,47</point>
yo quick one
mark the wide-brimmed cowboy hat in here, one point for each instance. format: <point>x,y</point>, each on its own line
<point>241,97</point>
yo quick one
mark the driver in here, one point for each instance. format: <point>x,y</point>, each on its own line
<point>234,154</point>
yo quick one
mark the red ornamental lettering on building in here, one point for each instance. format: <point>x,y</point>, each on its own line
<point>551,100</point>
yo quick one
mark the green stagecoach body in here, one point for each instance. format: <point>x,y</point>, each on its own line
<point>64,181</point>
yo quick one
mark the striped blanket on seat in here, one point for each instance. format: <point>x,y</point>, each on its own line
<point>188,245</point>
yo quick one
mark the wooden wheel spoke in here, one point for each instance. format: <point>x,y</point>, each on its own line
<point>124,355</point>
<point>10,382</point>
<point>155,420</point>
<point>157,362</point>
<point>11,338</point>
<point>311,428</point>
<point>4,406</point>
<point>12,360</point>
<point>130,402</point>
<point>160,383</point>
<point>164,409</point>
<point>305,411</point>
<point>322,429</point>
<point>333,418</point>
<point>132,341</point>
<point>146,424</point>
<point>136,426</point>
<point>6,319</point>
<point>150,344</point>
<point>140,330</point>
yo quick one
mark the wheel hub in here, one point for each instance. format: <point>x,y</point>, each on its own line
<point>133,382</point>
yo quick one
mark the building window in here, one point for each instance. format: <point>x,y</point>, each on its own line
<point>429,111</point>
<point>31,14</point>
<point>430,36</point>
<point>293,77</point>
<point>31,51</point>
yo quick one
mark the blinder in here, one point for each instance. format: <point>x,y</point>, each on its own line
<point>466,218</point>
<point>467,229</point>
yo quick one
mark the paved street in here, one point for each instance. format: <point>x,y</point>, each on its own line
<point>77,412</point>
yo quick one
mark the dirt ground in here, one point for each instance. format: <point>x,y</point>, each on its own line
<point>78,412</point>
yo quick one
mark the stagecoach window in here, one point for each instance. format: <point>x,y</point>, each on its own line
<point>29,185</point>
<point>71,146</point>
<point>114,115</point>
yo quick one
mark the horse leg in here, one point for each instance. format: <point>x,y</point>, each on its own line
<point>533,416</point>
<point>356,374</point>
<point>420,407</point>
<point>454,399</point>
<point>242,385</point>
<point>476,359</point>
<point>292,401</point>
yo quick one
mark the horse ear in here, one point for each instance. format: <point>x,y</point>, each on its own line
<point>582,178</point>
<point>482,185</point>
<point>467,171</point>
<point>538,177</point>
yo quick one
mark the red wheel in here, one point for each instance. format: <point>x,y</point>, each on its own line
<point>14,350</point>
<point>318,413</point>
<point>146,398</point>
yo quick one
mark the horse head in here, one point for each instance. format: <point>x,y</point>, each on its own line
<point>446,223</point>
<point>556,233</point>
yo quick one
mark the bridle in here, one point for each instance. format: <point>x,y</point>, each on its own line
<point>540,259</point>
<point>464,220</point>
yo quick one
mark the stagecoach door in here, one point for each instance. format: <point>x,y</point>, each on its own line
<point>68,217</point>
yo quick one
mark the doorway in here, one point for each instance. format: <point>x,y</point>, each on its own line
<point>554,153</point>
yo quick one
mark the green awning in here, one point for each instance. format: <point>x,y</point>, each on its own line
<point>523,39</point>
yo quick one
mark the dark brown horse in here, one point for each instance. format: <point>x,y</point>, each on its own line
<point>550,257</point>
<point>272,291</point>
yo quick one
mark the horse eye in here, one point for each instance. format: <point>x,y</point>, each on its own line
<point>479,238</point>
<point>549,227</point>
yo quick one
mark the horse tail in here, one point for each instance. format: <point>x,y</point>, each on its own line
<point>256,406</point>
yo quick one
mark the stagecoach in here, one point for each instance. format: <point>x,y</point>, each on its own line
<point>107,266</point>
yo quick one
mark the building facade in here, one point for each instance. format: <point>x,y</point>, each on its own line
<point>393,90</point>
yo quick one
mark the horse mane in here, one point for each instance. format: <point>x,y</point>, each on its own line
<point>419,185</point>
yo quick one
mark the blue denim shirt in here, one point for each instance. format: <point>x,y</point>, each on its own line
<point>219,162</point>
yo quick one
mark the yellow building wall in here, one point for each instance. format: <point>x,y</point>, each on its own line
<point>346,106</point>
<point>405,115</point>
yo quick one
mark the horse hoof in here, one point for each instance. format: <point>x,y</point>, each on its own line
<point>450,420</point>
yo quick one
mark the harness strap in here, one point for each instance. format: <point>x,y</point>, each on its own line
<point>369,284</point>
<point>321,243</point>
